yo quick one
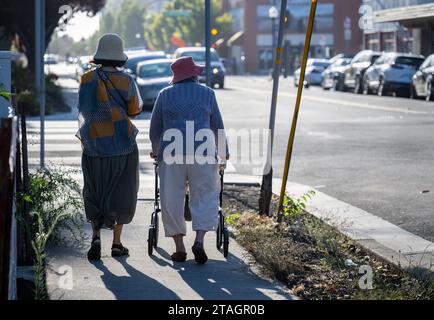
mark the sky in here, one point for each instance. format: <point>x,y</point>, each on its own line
<point>81,26</point>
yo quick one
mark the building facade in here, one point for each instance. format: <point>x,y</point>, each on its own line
<point>399,25</point>
<point>336,31</point>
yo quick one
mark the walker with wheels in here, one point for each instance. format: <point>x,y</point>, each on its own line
<point>222,239</point>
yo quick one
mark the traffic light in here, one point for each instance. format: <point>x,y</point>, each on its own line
<point>287,19</point>
<point>214,32</point>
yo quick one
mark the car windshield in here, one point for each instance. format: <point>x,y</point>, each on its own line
<point>321,64</point>
<point>342,62</point>
<point>408,61</point>
<point>134,61</point>
<point>199,56</point>
<point>374,58</point>
<point>155,70</point>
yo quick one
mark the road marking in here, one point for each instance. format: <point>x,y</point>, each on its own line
<point>338,102</point>
<point>72,147</point>
<point>76,161</point>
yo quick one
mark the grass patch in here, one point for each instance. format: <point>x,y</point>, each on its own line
<point>313,259</point>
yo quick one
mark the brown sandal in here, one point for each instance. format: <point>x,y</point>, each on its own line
<point>179,257</point>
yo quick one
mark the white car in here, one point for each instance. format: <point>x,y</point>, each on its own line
<point>314,70</point>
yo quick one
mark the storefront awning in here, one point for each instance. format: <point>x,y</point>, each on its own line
<point>411,16</point>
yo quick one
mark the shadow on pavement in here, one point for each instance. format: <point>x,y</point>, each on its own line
<point>136,286</point>
<point>218,279</point>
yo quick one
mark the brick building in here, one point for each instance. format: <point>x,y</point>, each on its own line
<point>251,46</point>
<point>400,25</point>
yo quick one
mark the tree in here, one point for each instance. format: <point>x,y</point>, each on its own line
<point>18,19</point>
<point>130,23</point>
<point>160,29</point>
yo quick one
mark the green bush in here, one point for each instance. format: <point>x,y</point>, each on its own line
<point>27,100</point>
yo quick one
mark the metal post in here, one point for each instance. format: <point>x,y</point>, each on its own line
<point>208,41</point>
<point>297,105</point>
<point>39,68</point>
<point>273,31</point>
<point>267,180</point>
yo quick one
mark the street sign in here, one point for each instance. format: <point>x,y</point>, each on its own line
<point>178,13</point>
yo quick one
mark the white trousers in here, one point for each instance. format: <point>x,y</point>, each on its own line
<point>204,185</point>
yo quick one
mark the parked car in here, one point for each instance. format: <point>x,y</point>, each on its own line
<point>152,76</point>
<point>83,65</point>
<point>341,56</point>
<point>422,84</point>
<point>392,73</point>
<point>355,71</point>
<point>333,76</point>
<point>136,57</point>
<point>218,71</point>
<point>51,59</point>
<point>314,70</point>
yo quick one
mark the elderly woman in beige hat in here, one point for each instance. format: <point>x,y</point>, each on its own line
<point>190,109</point>
<point>108,98</point>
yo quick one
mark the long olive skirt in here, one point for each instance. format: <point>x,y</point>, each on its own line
<point>111,185</point>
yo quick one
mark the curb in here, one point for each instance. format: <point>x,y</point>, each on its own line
<point>378,236</point>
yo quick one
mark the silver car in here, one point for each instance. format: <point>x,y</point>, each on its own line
<point>392,73</point>
<point>152,77</point>
<point>314,70</point>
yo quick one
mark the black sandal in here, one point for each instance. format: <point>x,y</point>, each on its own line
<point>94,253</point>
<point>119,250</point>
<point>179,257</point>
<point>199,253</point>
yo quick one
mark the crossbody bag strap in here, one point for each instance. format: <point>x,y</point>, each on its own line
<point>124,102</point>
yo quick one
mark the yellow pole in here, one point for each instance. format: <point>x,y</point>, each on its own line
<point>297,105</point>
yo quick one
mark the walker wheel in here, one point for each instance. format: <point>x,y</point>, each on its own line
<point>156,230</point>
<point>219,239</point>
<point>220,231</point>
<point>226,243</point>
<point>151,241</point>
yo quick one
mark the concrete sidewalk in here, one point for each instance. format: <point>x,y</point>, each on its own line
<point>141,277</point>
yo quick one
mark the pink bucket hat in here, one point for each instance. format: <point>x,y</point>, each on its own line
<point>185,68</point>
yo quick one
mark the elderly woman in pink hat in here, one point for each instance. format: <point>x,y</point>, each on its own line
<point>188,138</point>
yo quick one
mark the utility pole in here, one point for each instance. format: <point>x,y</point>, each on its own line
<point>39,69</point>
<point>208,42</point>
<point>290,146</point>
<point>267,179</point>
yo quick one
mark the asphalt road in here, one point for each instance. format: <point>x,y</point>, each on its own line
<point>376,153</point>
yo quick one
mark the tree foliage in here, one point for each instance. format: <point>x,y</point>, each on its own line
<point>17,18</point>
<point>128,22</point>
<point>160,29</point>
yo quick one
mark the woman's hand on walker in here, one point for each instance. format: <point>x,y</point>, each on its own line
<point>153,155</point>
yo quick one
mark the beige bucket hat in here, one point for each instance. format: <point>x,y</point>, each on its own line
<point>110,47</point>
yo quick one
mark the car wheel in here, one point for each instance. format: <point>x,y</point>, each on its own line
<point>429,94</point>
<point>413,94</point>
<point>323,85</point>
<point>358,86</point>
<point>366,89</point>
<point>381,88</point>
